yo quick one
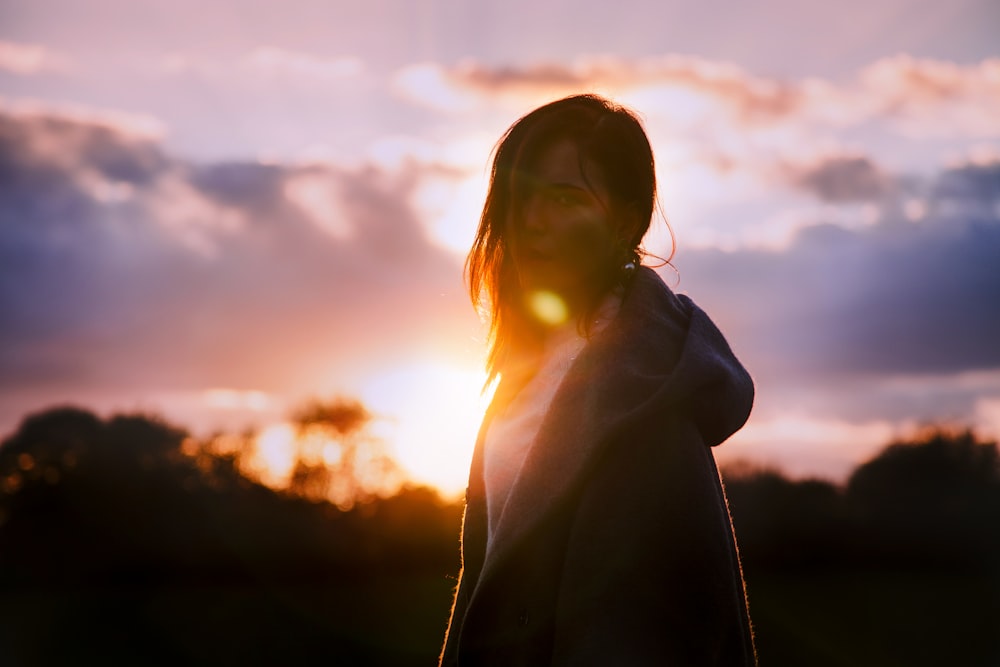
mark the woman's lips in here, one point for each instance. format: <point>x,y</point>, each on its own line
<point>534,255</point>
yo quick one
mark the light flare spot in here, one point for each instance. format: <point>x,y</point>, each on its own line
<point>548,307</point>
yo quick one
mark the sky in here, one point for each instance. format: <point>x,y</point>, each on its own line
<point>218,210</point>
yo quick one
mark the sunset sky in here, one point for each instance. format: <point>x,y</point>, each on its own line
<point>217,210</point>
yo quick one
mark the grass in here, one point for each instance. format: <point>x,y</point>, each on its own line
<point>881,619</point>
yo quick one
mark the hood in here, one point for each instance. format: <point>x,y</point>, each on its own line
<point>664,352</point>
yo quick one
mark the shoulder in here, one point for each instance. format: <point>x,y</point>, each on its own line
<point>663,352</point>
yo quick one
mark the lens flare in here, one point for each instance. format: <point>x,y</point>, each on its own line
<point>548,307</point>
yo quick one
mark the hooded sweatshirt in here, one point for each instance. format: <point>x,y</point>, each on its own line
<point>614,545</point>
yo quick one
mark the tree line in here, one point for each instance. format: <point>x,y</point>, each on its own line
<point>932,501</point>
<point>126,541</point>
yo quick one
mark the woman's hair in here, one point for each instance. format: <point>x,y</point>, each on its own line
<point>606,135</point>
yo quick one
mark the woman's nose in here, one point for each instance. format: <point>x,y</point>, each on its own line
<point>533,216</point>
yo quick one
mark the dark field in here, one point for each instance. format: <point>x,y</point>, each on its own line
<point>118,549</point>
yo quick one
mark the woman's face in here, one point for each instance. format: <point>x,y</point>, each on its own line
<point>560,229</point>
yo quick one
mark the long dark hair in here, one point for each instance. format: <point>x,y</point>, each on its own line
<point>607,135</point>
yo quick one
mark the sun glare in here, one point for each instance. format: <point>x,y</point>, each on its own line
<point>275,454</point>
<point>426,414</point>
<point>429,413</point>
<point>450,195</point>
<point>450,209</point>
<point>835,447</point>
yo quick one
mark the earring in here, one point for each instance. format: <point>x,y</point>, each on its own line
<point>628,268</point>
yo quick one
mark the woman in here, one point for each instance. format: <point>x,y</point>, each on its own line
<point>596,530</point>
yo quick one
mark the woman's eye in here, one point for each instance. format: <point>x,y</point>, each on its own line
<point>564,199</point>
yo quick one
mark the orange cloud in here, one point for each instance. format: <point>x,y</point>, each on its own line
<point>933,97</point>
<point>916,94</point>
<point>727,85</point>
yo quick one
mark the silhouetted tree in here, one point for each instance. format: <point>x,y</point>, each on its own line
<point>901,566</point>
<point>337,458</point>
<point>934,499</point>
<point>125,541</point>
<point>783,524</point>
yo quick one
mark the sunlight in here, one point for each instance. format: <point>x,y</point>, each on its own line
<point>235,399</point>
<point>987,412</point>
<point>677,104</point>
<point>429,413</point>
<point>426,413</point>
<point>449,193</point>
<point>428,84</point>
<point>449,206</point>
<point>274,455</point>
<point>806,446</point>
<point>312,192</point>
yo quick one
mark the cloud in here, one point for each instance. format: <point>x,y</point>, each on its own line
<point>30,59</point>
<point>974,186</point>
<point>315,195</point>
<point>843,322</point>
<point>900,297</point>
<point>127,271</point>
<point>916,96</point>
<point>108,165</point>
<point>665,80</point>
<point>206,275</point>
<point>125,125</point>
<point>842,179</point>
<point>430,85</point>
<point>745,160</point>
<point>935,98</point>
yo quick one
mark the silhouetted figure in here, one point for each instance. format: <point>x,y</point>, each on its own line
<point>596,530</point>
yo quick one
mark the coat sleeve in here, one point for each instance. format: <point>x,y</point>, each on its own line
<point>652,575</point>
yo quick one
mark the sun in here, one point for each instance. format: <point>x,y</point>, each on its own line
<point>426,412</point>
<point>429,412</point>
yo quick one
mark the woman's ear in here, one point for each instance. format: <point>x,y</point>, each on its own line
<point>631,226</point>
